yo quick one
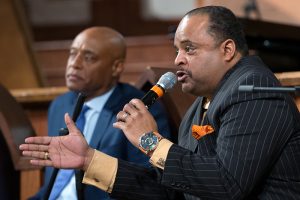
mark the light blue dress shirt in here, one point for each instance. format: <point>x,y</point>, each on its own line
<point>91,116</point>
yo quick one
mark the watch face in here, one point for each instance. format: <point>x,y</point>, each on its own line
<point>148,141</point>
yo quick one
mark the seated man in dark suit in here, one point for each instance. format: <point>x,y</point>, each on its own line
<point>95,63</point>
<point>232,144</point>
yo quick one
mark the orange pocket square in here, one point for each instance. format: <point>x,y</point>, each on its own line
<point>200,131</point>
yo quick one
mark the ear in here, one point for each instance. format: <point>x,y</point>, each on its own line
<point>229,49</point>
<point>117,67</point>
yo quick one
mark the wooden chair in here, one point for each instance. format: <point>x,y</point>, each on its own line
<point>14,128</point>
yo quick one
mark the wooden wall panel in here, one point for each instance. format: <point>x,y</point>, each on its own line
<point>17,64</point>
<point>277,11</point>
<point>142,51</point>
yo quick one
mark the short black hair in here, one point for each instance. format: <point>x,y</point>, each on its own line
<point>223,24</point>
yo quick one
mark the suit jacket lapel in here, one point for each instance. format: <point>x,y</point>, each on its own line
<point>103,124</point>
<point>107,117</point>
<point>192,117</point>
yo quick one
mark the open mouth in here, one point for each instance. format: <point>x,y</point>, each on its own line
<point>181,76</point>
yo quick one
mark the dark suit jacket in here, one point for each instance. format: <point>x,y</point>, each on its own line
<point>254,152</point>
<point>105,138</point>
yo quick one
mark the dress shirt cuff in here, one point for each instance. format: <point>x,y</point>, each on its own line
<point>159,156</point>
<point>101,172</point>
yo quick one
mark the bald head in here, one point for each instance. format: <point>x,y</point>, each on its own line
<point>112,40</point>
<point>96,61</point>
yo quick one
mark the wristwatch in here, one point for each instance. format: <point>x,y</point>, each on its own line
<point>148,142</point>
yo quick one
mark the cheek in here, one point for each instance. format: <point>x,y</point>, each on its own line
<point>197,68</point>
<point>68,68</point>
<point>205,64</point>
<point>202,72</point>
<point>97,76</point>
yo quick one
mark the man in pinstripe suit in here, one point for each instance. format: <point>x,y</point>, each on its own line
<point>232,145</point>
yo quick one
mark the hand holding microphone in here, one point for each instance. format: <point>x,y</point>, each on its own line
<point>135,119</point>
<point>166,82</point>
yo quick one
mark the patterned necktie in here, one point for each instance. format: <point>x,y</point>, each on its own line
<point>64,175</point>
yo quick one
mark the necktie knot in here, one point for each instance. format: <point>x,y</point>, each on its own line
<point>85,108</point>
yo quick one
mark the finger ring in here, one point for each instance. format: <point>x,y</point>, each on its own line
<point>46,156</point>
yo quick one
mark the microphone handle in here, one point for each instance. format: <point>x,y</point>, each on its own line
<point>274,89</point>
<point>150,97</point>
<point>252,88</point>
<point>77,109</point>
<point>79,103</point>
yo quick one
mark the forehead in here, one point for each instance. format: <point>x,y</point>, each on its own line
<point>192,28</point>
<point>88,43</point>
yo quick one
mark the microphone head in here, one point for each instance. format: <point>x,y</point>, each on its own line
<point>167,80</point>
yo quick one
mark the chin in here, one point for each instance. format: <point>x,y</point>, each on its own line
<point>185,89</point>
<point>190,90</point>
<point>74,87</point>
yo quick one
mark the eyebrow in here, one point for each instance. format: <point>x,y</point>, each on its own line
<point>187,42</point>
<point>85,51</point>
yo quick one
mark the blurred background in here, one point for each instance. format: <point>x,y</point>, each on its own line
<point>30,28</point>
<point>35,36</point>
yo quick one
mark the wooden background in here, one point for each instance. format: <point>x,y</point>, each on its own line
<point>33,60</point>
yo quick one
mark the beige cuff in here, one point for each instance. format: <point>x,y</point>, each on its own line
<point>159,156</point>
<point>101,172</point>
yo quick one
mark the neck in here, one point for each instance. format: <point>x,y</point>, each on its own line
<point>93,94</point>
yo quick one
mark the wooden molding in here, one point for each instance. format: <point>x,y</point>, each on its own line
<point>37,95</point>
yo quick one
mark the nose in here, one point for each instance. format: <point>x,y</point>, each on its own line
<point>75,61</point>
<point>180,59</point>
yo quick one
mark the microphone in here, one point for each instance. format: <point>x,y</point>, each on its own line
<point>251,88</point>
<point>77,109</point>
<point>79,103</point>
<point>166,82</point>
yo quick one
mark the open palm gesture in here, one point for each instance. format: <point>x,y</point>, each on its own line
<point>70,151</point>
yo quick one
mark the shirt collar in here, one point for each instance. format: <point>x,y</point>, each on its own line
<point>99,100</point>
